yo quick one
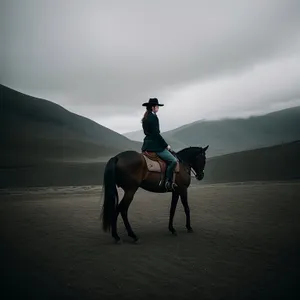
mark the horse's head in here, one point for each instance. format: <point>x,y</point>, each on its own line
<point>196,158</point>
<point>198,163</point>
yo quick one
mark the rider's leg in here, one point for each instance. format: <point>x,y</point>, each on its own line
<point>171,165</point>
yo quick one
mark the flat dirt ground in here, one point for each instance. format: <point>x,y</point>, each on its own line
<point>245,245</point>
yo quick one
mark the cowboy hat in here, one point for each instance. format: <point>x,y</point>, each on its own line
<point>152,102</point>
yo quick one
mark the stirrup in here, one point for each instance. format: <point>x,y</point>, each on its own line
<point>170,186</point>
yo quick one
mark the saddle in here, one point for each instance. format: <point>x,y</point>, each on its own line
<point>157,165</point>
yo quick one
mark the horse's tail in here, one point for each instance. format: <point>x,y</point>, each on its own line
<point>110,193</point>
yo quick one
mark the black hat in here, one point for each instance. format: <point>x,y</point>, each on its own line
<point>152,102</point>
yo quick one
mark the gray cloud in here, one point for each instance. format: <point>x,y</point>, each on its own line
<point>94,56</point>
<point>266,87</point>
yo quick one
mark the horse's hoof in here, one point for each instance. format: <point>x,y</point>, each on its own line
<point>173,231</point>
<point>136,241</point>
<point>118,241</point>
<point>134,238</point>
<point>190,230</point>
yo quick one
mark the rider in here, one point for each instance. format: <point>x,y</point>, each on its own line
<point>154,142</point>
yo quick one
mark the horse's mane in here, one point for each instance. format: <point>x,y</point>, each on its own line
<point>187,153</point>
<point>190,150</point>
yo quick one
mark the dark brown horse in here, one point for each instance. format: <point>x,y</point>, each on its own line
<point>131,170</point>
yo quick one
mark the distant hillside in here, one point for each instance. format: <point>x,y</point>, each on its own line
<point>135,135</point>
<point>34,130</point>
<point>139,136</point>
<point>233,135</point>
<point>281,162</point>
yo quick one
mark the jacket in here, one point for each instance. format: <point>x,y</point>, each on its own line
<point>153,141</point>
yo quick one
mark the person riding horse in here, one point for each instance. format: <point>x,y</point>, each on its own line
<point>129,171</point>
<point>154,142</point>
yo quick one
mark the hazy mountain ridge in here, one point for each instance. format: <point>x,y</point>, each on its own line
<point>278,162</point>
<point>233,135</point>
<point>281,162</point>
<point>36,129</point>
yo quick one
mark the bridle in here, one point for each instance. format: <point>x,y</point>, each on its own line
<point>194,172</point>
<point>189,165</point>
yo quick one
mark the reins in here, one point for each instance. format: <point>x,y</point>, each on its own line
<point>180,160</point>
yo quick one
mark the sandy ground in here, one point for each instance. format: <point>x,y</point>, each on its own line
<point>245,245</point>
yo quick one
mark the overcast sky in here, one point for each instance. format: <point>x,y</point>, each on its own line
<point>202,59</point>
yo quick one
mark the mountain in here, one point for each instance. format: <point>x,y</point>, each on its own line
<point>36,130</point>
<point>280,162</point>
<point>139,136</point>
<point>233,135</point>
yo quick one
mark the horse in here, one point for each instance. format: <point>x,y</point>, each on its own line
<point>131,170</point>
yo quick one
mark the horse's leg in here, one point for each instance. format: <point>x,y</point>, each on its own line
<point>175,197</point>
<point>114,231</point>
<point>123,209</point>
<point>184,201</point>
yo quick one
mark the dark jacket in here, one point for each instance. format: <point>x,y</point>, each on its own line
<point>153,141</point>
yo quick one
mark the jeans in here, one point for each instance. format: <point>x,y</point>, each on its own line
<point>171,161</point>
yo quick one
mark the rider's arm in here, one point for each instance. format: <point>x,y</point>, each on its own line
<point>156,132</point>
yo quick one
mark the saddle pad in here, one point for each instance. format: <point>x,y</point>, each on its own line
<point>155,166</point>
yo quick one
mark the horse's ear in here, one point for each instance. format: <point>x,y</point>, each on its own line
<point>205,148</point>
